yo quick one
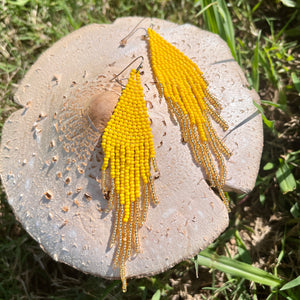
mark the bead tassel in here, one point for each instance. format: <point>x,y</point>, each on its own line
<point>185,90</point>
<point>128,148</point>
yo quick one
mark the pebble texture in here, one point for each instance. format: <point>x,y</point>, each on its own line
<point>51,158</point>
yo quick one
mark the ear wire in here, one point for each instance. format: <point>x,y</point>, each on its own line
<point>124,41</point>
<point>137,69</point>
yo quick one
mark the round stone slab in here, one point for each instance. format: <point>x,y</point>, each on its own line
<point>51,156</point>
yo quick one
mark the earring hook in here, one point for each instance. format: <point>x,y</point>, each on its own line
<point>137,69</point>
<point>123,42</point>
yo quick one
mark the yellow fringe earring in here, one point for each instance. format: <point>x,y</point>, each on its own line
<point>128,148</point>
<point>185,90</point>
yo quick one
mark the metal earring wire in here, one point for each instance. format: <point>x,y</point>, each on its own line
<point>140,66</point>
<point>124,41</point>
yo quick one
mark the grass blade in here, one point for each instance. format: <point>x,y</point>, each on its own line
<point>236,268</point>
<point>227,26</point>
<point>291,284</point>
<point>269,123</point>
<point>255,64</point>
<point>218,20</point>
<point>205,8</point>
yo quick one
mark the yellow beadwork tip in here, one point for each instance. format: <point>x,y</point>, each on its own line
<point>127,143</point>
<point>185,90</point>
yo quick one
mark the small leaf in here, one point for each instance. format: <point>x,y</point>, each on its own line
<point>285,178</point>
<point>288,3</point>
<point>18,2</point>
<point>296,81</point>
<point>262,198</point>
<point>295,210</point>
<point>268,166</point>
<point>295,282</point>
<point>156,296</point>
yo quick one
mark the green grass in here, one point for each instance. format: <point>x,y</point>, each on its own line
<point>258,256</point>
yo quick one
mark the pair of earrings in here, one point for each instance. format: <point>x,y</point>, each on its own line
<point>128,147</point>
